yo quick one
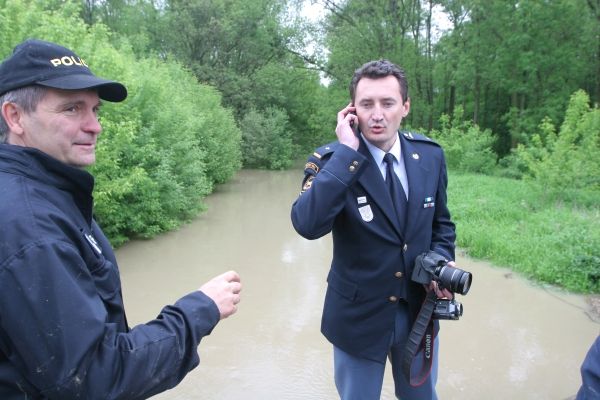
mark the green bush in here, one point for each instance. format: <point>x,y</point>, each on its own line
<point>568,160</point>
<point>266,139</point>
<point>467,148</point>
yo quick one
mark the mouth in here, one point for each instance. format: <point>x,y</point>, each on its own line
<point>89,146</point>
<point>377,129</point>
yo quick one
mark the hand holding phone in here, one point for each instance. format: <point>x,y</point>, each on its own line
<point>347,126</point>
<point>354,124</point>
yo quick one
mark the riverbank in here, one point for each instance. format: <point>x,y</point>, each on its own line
<point>594,307</point>
<point>515,224</point>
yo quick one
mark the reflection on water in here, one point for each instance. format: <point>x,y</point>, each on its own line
<point>514,341</point>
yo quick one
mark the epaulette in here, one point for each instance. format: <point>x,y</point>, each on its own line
<point>316,162</point>
<point>326,149</point>
<point>418,137</point>
<point>319,158</point>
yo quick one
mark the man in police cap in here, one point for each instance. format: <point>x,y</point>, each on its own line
<point>382,195</point>
<point>63,331</point>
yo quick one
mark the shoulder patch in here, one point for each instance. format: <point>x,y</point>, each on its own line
<point>311,166</point>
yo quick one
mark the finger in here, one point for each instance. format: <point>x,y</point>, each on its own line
<point>236,287</point>
<point>231,276</point>
<point>344,112</point>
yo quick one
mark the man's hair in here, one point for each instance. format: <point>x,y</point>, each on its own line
<point>380,69</point>
<point>27,98</point>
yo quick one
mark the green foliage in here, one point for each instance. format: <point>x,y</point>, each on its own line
<point>512,223</point>
<point>506,63</point>
<point>510,63</point>
<point>239,47</point>
<point>183,143</point>
<point>266,140</point>
<point>467,148</point>
<point>568,160</point>
<point>162,150</point>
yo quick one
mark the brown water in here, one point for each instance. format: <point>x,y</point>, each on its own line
<point>514,341</point>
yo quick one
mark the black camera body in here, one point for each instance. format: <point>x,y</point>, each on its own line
<point>447,309</point>
<point>432,266</point>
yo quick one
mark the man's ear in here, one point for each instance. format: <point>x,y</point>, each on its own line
<point>13,116</point>
<point>406,107</point>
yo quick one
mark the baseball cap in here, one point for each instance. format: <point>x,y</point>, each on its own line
<point>36,62</point>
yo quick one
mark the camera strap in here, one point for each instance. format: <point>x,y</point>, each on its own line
<point>421,335</point>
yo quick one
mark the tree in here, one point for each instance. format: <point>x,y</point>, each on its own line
<point>520,60</point>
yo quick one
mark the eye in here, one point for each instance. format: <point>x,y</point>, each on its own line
<point>71,108</point>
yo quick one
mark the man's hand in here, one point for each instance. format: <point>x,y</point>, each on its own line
<point>343,130</point>
<point>224,290</point>
<point>441,293</point>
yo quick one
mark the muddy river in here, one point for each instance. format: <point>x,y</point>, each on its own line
<point>515,340</point>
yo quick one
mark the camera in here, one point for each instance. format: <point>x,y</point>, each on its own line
<point>447,309</point>
<point>432,266</point>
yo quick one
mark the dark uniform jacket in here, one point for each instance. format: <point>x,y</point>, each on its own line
<point>590,374</point>
<point>63,332</point>
<point>373,257</point>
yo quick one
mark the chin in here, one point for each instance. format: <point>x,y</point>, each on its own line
<point>85,162</point>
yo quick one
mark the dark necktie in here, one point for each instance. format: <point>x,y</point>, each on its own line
<point>395,187</point>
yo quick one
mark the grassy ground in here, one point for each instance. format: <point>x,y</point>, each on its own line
<point>516,224</point>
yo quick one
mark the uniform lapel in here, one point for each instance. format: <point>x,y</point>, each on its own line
<point>415,173</point>
<point>373,183</point>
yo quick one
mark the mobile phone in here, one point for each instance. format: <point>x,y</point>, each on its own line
<point>354,125</point>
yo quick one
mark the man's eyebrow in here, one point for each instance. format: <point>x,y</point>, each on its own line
<point>371,99</point>
<point>78,102</point>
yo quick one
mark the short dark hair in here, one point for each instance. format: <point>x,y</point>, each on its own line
<point>27,98</point>
<point>380,69</point>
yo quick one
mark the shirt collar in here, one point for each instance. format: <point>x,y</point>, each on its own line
<point>378,154</point>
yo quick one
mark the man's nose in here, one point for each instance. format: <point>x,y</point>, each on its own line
<point>92,124</point>
<point>377,115</point>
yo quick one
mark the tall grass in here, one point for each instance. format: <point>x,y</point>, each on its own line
<point>517,224</point>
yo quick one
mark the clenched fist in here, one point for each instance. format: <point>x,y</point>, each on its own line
<point>224,290</point>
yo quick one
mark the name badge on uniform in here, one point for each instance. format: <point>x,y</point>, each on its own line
<point>366,213</point>
<point>361,199</point>
<point>428,203</point>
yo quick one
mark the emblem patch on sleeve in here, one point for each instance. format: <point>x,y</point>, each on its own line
<point>311,166</point>
<point>308,183</point>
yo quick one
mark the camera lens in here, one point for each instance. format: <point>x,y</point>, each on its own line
<point>454,279</point>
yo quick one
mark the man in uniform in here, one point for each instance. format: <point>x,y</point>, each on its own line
<point>378,231</point>
<point>63,331</point>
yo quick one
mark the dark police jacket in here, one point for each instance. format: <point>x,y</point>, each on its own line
<point>590,374</point>
<point>344,193</point>
<point>63,332</point>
